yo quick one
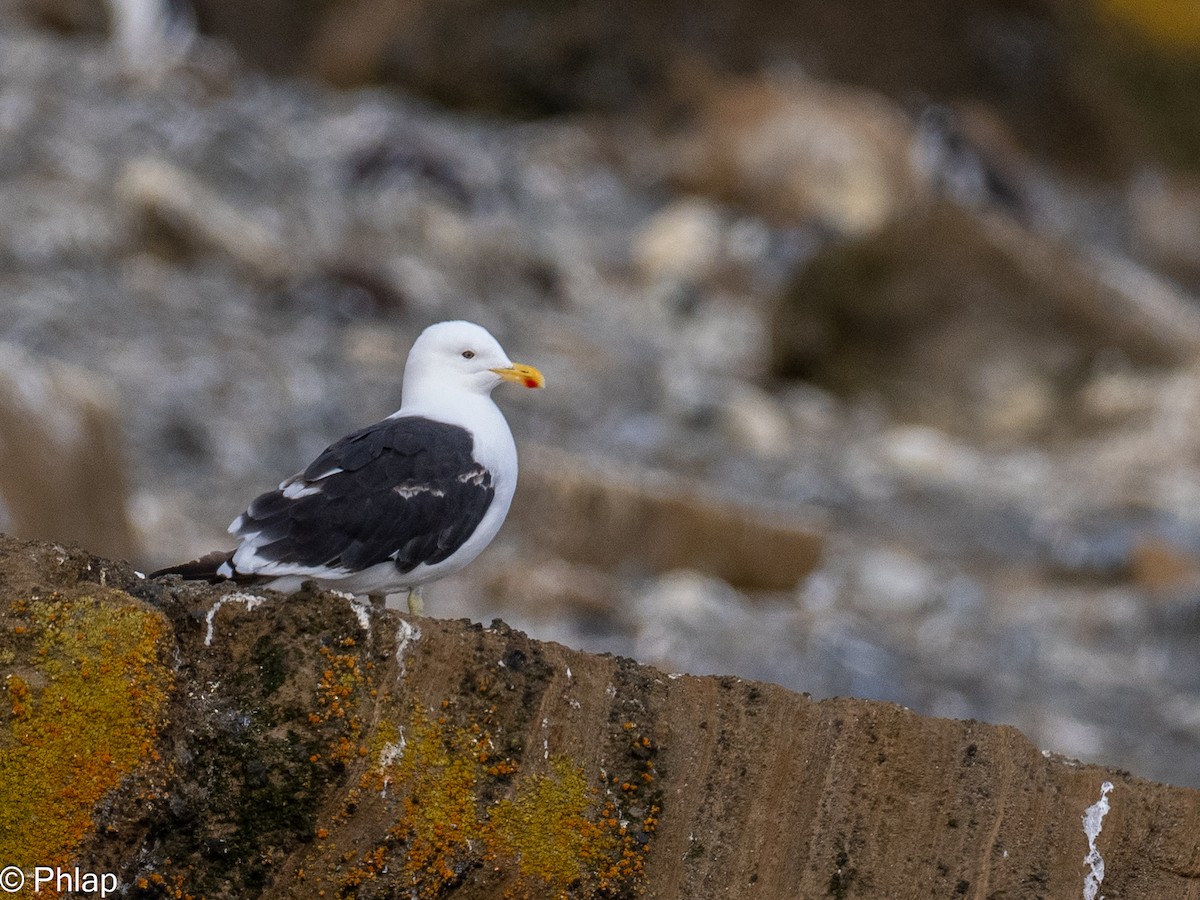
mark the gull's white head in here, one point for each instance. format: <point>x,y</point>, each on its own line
<point>460,356</point>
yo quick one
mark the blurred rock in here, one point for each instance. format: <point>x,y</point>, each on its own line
<point>1162,567</point>
<point>893,582</point>
<point>800,150</point>
<point>968,156</point>
<point>683,240</point>
<point>928,453</point>
<point>688,622</point>
<point>351,39</point>
<point>1149,427</point>
<point>1116,397</point>
<point>62,15</point>
<point>812,409</point>
<point>1165,221</point>
<point>57,222</point>
<point>619,518</point>
<point>727,339</point>
<point>151,36</point>
<point>714,355</point>
<point>62,469</point>
<point>555,591</point>
<point>192,213</point>
<point>973,325</point>
<point>756,421</point>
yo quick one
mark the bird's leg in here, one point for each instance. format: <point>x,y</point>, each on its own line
<point>416,605</point>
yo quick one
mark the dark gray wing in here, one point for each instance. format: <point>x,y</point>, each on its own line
<point>407,489</point>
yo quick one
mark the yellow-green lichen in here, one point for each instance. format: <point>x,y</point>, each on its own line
<point>552,829</point>
<point>552,834</point>
<point>440,819</point>
<point>79,709</point>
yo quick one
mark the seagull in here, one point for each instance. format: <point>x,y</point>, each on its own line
<point>397,504</point>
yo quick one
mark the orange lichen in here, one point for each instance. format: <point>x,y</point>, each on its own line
<point>340,683</point>
<point>18,696</point>
<point>83,714</point>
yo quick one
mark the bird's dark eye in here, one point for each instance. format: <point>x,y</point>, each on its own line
<point>468,354</point>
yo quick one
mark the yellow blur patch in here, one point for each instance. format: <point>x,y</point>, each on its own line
<point>1173,24</point>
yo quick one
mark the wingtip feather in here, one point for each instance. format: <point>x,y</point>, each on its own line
<point>205,568</point>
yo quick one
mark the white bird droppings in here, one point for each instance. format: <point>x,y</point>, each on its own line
<point>1093,821</point>
<point>389,756</point>
<point>406,634</point>
<point>362,611</point>
<point>252,601</point>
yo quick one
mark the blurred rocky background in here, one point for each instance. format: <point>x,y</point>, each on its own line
<point>871,330</point>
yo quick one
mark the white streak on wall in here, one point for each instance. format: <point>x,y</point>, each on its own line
<point>406,634</point>
<point>1093,821</point>
<point>250,600</point>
